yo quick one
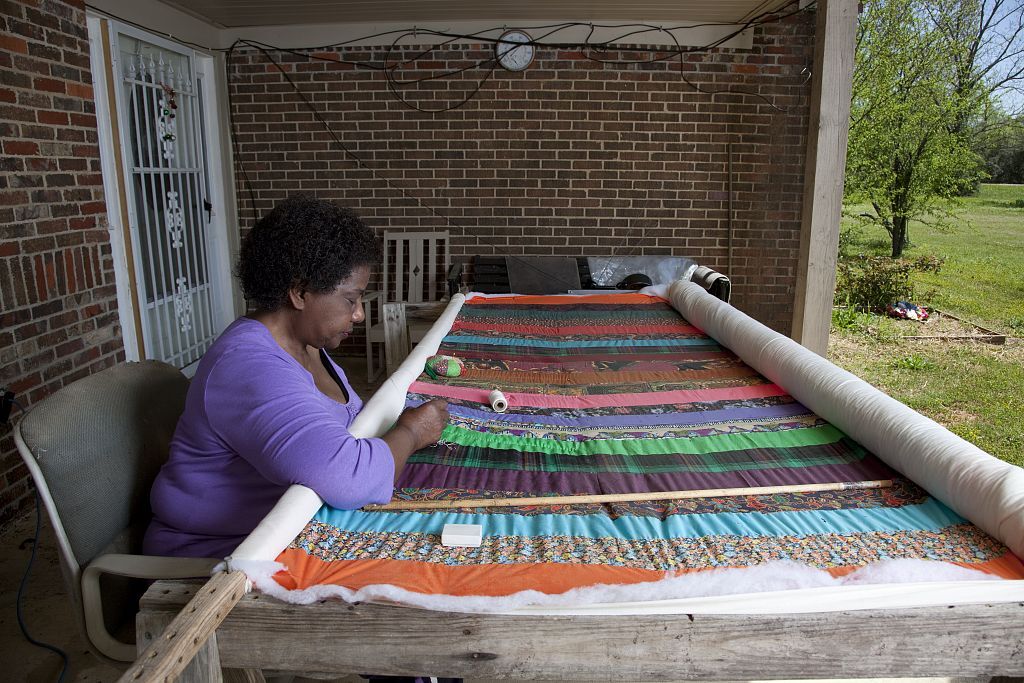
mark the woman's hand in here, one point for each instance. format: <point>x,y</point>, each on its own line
<point>426,421</point>
<point>416,428</point>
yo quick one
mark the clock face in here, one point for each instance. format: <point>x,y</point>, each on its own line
<point>514,51</point>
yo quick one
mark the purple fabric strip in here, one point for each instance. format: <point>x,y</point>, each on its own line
<point>419,475</point>
<point>691,418</point>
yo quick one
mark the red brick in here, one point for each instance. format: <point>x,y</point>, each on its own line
<point>84,120</point>
<point>83,223</point>
<point>80,90</point>
<point>49,85</point>
<point>86,151</point>
<point>53,118</point>
<point>13,44</point>
<point>20,147</point>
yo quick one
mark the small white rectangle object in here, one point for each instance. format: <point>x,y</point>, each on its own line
<point>462,535</point>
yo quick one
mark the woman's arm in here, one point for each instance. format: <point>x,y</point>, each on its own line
<point>416,428</point>
<point>269,412</point>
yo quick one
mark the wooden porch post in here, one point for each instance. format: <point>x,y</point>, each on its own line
<point>823,180</point>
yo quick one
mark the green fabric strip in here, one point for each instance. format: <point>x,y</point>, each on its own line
<point>717,443</point>
<point>842,453</point>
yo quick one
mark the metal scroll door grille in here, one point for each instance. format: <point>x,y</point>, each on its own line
<point>164,148</point>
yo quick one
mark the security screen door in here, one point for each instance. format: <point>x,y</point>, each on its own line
<point>164,153</point>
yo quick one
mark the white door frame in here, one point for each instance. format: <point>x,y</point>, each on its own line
<point>104,79</point>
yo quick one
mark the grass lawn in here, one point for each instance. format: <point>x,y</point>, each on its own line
<point>974,389</point>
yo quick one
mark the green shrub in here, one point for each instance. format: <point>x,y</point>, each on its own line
<point>849,235</point>
<point>872,283</point>
<point>849,318</point>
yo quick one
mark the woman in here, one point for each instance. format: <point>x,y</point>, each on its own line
<point>267,407</point>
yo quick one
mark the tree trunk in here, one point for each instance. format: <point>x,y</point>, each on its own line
<point>899,235</point>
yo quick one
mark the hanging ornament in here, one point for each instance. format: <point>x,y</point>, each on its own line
<point>166,127</point>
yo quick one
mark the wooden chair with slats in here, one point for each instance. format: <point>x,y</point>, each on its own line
<point>414,274</point>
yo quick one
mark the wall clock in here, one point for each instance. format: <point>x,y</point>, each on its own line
<point>514,50</point>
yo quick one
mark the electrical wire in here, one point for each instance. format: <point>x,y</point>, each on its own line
<point>358,161</point>
<point>764,17</point>
<point>396,86</point>
<point>24,581</point>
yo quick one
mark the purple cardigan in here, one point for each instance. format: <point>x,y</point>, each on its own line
<point>255,423</point>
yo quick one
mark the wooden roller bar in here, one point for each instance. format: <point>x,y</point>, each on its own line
<point>627,497</point>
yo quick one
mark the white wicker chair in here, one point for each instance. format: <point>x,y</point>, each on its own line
<point>93,449</point>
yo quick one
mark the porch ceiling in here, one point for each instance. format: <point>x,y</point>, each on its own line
<point>243,13</point>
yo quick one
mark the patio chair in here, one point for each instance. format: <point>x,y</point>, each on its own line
<point>415,270</point>
<point>93,449</point>
<point>396,336</point>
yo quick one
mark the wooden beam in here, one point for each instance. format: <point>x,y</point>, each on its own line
<point>334,637</point>
<point>824,172</point>
<point>203,667</point>
<point>627,497</point>
<point>167,656</point>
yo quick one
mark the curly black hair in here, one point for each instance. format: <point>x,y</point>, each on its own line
<point>303,242</point>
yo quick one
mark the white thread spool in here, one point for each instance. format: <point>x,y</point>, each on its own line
<point>499,403</point>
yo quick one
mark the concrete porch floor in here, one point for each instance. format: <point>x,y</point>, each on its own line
<point>47,609</point>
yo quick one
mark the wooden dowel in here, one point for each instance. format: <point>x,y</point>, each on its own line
<point>169,654</point>
<point>627,497</point>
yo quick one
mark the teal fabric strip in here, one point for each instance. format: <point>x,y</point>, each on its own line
<point>928,516</point>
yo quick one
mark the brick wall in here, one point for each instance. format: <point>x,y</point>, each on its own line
<point>58,320</point>
<point>569,157</point>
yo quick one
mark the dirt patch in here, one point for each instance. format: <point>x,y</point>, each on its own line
<point>946,325</point>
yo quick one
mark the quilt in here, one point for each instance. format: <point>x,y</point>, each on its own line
<point>613,394</point>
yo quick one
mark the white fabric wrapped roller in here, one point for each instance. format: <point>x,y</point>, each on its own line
<point>978,486</point>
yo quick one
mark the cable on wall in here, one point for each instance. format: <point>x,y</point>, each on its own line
<point>395,85</point>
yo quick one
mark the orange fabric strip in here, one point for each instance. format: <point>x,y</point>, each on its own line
<point>499,580</point>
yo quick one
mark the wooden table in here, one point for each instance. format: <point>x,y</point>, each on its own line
<point>334,637</point>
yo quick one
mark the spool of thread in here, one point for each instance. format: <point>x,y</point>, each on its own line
<point>499,403</point>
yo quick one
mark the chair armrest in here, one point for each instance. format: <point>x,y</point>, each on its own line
<point>151,566</point>
<point>138,566</point>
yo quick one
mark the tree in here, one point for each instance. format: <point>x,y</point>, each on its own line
<point>989,62</point>
<point>907,157</point>
<point>989,55</point>
<point>1002,148</point>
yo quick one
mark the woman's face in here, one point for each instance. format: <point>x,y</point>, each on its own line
<point>329,316</point>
